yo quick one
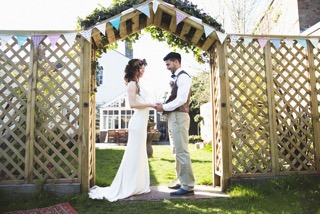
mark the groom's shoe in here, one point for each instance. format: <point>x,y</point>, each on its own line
<point>182,192</point>
<point>175,186</point>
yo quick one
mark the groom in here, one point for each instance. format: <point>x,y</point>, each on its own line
<point>177,109</point>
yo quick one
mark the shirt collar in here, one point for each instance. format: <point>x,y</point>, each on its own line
<point>177,71</point>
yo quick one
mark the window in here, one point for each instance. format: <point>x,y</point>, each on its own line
<point>99,76</point>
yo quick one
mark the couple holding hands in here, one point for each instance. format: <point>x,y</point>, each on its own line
<point>133,177</point>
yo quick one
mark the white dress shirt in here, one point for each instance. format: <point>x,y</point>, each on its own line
<point>184,83</point>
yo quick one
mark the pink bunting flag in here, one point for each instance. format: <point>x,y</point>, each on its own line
<point>53,39</point>
<point>37,39</point>
<point>262,42</point>
<point>234,39</point>
<point>179,17</point>
<point>86,34</point>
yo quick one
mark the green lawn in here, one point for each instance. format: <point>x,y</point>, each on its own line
<point>292,194</point>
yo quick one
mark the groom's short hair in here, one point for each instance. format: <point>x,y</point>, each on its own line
<point>172,56</point>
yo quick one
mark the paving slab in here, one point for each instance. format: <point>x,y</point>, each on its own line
<point>158,193</point>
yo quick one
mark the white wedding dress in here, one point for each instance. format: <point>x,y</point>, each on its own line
<point>133,175</point>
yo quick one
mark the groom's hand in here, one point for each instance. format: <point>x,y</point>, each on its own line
<point>159,107</point>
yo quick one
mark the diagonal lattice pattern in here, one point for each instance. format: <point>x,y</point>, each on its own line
<point>248,109</point>
<point>293,113</point>
<point>14,73</point>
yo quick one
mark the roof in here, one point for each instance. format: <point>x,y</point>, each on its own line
<point>190,29</point>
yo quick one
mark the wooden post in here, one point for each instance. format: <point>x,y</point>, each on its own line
<point>272,111</point>
<point>30,125</point>
<point>213,84</point>
<point>85,73</point>
<point>314,106</point>
<point>225,116</point>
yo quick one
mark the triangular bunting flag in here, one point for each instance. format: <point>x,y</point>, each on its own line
<point>302,42</point>
<point>289,42</point>
<point>276,43</point>
<point>262,42</point>
<point>102,28</point>
<point>70,37</point>
<point>115,22</point>
<point>127,11</point>
<point>86,34</point>
<point>155,6</point>
<point>247,40</point>
<point>234,39</point>
<point>21,39</point>
<point>208,30</point>
<point>53,39</point>
<point>179,17</point>
<point>221,36</point>
<point>145,9</point>
<point>314,42</point>
<point>37,39</point>
<point>196,19</point>
<point>4,40</point>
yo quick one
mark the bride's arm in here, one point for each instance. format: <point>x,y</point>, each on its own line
<point>132,93</point>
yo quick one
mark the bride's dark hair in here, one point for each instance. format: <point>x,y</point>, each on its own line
<point>132,68</point>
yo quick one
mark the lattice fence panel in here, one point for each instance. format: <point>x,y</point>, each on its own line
<point>293,112</point>
<point>250,145</point>
<point>14,73</point>
<point>217,146</point>
<point>57,112</point>
<point>316,52</point>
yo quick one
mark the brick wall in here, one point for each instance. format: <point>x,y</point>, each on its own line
<point>309,13</point>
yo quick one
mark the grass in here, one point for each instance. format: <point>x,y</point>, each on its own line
<point>291,194</point>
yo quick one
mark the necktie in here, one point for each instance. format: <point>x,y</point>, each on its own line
<point>173,76</point>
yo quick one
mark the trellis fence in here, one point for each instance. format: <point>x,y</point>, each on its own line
<point>45,133</point>
<point>266,106</point>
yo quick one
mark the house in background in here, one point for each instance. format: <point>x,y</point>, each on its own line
<point>113,110</point>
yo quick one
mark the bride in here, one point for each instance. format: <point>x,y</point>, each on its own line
<point>133,176</point>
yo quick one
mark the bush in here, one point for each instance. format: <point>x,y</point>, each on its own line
<point>195,138</point>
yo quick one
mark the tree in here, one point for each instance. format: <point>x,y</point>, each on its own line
<point>200,94</point>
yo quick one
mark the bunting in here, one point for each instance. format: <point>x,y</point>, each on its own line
<point>155,6</point>
<point>53,38</point>
<point>179,17</point>
<point>289,42</point>
<point>145,10</point>
<point>234,39</point>
<point>302,42</point>
<point>247,40</point>
<point>221,36</point>
<point>37,39</point>
<point>262,42</point>
<point>4,40</point>
<point>21,39</point>
<point>196,19</point>
<point>127,11</point>
<point>102,28</point>
<point>115,22</point>
<point>314,42</point>
<point>276,43</point>
<point>86,34</point>
<point>70,37</point>
<point>208,30</point>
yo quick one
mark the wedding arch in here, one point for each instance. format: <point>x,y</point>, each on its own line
<point>265,96</point>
